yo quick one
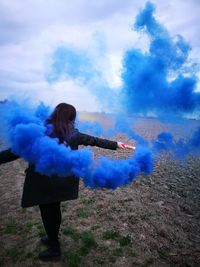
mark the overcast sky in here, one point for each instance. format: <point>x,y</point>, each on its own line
<point>32,30</point>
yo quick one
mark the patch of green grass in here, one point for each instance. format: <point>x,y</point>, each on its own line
<point>41,230</point>
<point>95,226</point>
<point>125,241</point>
<point>14,254</point>
<point>73,233</point>
<point>88,239</point>
<point>2,262</point>
<point>111,234</point>
<point>149,261</point>
<point>163,254</point>
<point>118,252</point>
<point>112,259</point>
<point>11,228</point>
<point>72,259</point>
<point>83,213</point>
<point>99,261</point>
<point>83,251</point>
<point>28,226</point>
<point>88,242</point>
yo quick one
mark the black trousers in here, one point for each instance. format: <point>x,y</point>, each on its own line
<point>51,218</point>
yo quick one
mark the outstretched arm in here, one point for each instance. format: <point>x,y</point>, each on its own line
<point>88,140</point>
<point>7,156</point>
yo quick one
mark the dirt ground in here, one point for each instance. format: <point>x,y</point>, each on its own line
<point>155,221</point>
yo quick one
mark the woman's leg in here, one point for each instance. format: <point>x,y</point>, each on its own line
<point>51,217</point>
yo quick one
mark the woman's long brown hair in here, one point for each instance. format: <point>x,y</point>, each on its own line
<point>62,119</point>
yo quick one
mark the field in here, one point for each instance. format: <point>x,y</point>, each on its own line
<point>155,221</point>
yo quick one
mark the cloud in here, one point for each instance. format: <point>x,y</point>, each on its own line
<point>30,31</point>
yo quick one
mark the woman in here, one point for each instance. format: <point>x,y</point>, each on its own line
<point>48,192</point>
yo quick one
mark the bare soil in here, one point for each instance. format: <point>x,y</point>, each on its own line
<point>155,221</point>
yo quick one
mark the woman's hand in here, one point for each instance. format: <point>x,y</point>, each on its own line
<point>124,146</point>
<point>121,145</point>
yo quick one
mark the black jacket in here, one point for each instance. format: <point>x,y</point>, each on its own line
<point>41,189</point>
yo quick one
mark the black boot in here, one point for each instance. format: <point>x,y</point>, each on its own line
<point>51,254</point>
<point>45,240</point>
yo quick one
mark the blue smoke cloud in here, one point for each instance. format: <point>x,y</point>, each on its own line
<point>71,63</point>
<point>92,127</point>
<point>28,139</point>
<point>180,148</point>
<point>121,125</point>
<point>115,173</point>
<point>80,66</point>
<point>146,89</point>
<point>160,81</point>
<point>146,84</point>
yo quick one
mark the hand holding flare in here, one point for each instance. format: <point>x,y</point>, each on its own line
<point>124,146</point>
<point>130,147</point>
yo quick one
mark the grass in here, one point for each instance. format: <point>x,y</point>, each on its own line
<point>163,254</point>
<point>149,261</point>
<point>85,243</point>
<point>125,241</point>
<point>83,251</point>
<point>14,254</point>
<point>112,258</point>
<point>83,213</point>
<point>86,237</point>
<point>88,240</point>
<point>95,226</point>
<point>111,234</point>
<point>28,226</point>
<point>12,228</point>
<point>115,235</point>
<point>41,230</point>
<point>2,262</point>
<point>99,261</point>
<point>117,252</point>
<point>73,233</point>
<point>124,246</point>
<point>72,259</point>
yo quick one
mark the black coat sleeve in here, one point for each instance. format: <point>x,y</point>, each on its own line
<point>88,140</point>
<point>7,156</point>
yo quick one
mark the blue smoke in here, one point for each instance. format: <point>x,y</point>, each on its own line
<point>80,66</point>
<point>29,140</point>
<point>42,111</point>
<point>91,127</point>
<point>72,63</point>
<point>180,148</point>
<point>146,84</point>
<point>159,81</point>
<point>153,82</point>
<point>115,173</point>
<point>121,125</point>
